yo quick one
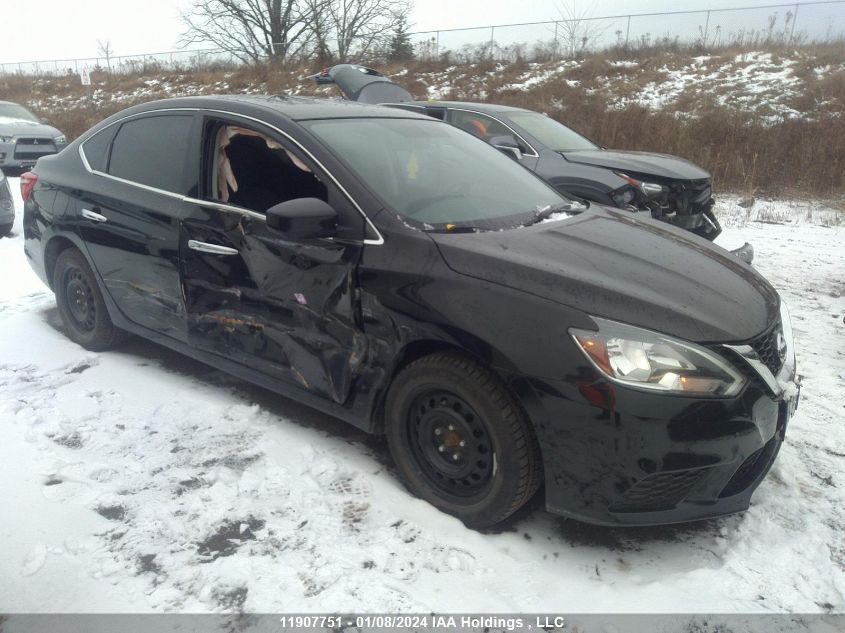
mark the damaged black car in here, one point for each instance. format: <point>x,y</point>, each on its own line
<point>392,271</point>
<point>668,188</point>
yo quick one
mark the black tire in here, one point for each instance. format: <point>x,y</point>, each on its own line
<point>81,304</point>
<point>5,229</point>
<point>444,399</point>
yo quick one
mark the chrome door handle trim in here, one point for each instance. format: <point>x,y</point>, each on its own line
<point>92,215</point>
<point>214,249</point>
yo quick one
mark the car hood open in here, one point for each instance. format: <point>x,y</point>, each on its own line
<point>362,84</point>
<point>642,163</point>
<point>612,264</point>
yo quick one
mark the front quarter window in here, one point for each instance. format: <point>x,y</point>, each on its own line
<point>435,175</point>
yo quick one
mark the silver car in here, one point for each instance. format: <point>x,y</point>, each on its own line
<point>24,138</point>
<point>7,207</point>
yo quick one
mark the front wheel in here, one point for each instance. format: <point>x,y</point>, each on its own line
<point>81,305</point>
<point>5,229</point>
<point>460,440</point>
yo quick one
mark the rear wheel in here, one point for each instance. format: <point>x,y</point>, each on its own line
<point>81,305</point>
<point>460,440</point>
<point>5,229</point>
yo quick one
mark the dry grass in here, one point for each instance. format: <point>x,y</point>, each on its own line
<point>745,151</point>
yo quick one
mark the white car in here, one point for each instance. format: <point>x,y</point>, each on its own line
<point>24,138</point>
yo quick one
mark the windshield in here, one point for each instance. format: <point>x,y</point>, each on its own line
<point>554,135</point>
<point>436,175</point>
<point>16,113</point>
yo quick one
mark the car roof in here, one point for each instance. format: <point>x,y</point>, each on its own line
<point>291,107</point>
<point>486,108</point>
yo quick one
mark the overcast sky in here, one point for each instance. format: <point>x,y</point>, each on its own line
<point>51,29</point>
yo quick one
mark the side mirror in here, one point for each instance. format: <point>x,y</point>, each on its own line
<point>508,145</point>
<point>303,219</point>
<point>44,120</point>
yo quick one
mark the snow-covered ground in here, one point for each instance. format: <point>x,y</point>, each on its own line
<point>139,480</point>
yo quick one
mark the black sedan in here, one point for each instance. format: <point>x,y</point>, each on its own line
<point>667,187</point>
<point>404,276</point>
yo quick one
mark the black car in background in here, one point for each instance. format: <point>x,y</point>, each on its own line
<point>671,189</point>
<point>397,273</point>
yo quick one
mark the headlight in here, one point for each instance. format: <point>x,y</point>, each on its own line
<point>7,139</point>
<point>649,360</point>
<point>60,140</point>
<point>650,189</point>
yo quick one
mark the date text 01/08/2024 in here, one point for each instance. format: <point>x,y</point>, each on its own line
<point>429,621</point>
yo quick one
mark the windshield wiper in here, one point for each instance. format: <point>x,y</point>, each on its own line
<point>573,206</point>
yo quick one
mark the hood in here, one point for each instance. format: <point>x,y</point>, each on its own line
<point>610,264</point>
<point>16,127</point>
<point>362,84</point>
<point>645,163</point>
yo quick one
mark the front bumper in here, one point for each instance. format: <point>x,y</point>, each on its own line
<point>619,456</point>
<point>21,155</point>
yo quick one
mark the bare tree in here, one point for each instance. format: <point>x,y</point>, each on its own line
<point>346,28</point>
<point>104,49</point>
<point>320,31</point>
<point>251,30</point>
<point>577,30</point>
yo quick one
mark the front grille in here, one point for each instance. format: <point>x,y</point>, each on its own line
<point>35,141</point>
<point>750,469</point>
<point>689,198</point>
<point>661,491</point>
<point>766,346</point>
<point>33,153</point>
<point>33,148</point>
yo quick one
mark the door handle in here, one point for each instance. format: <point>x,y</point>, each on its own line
<point>214,249</point>
<point>93,215</point>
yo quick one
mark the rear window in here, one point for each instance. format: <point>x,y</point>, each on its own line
<point>153,151</point>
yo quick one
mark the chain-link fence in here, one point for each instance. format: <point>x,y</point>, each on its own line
<point>708,28</point>
<point>794,23</point>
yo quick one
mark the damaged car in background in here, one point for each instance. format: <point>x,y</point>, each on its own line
<point>393,271</point>
<point>668,188</point>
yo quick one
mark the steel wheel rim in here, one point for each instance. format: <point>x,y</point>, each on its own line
<point>80,300</point>
<point>450,443</point>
